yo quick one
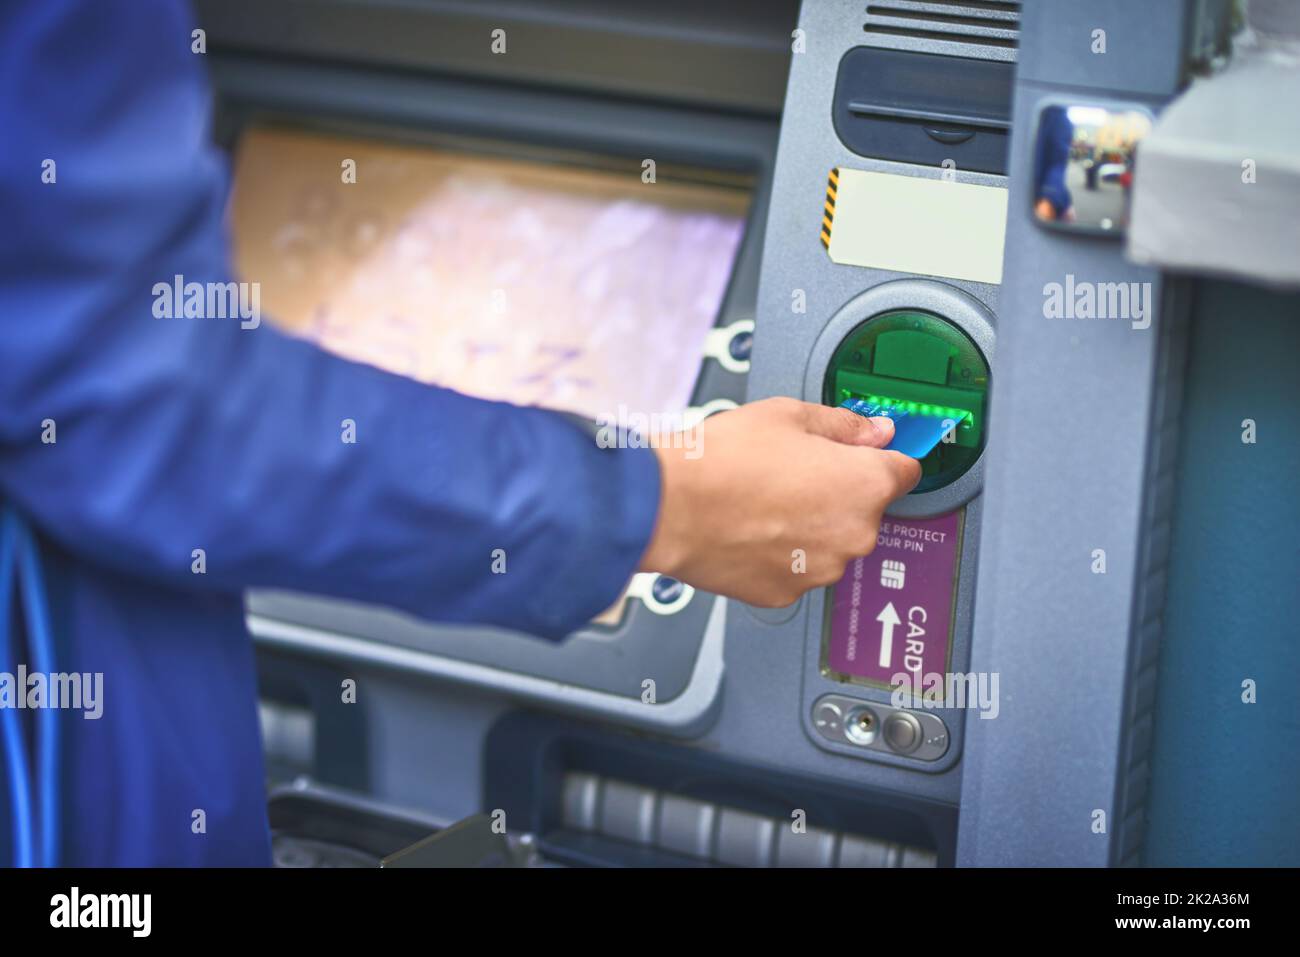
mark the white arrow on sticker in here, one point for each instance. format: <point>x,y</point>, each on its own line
<point>888,618</point>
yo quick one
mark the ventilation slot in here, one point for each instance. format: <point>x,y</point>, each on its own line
<point>992,25</point>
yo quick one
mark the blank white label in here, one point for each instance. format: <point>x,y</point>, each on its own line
<point>930,227</point>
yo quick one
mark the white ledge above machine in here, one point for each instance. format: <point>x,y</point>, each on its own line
<point>1218,190</point>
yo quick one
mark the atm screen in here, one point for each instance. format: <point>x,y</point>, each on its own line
<point>560,285</point>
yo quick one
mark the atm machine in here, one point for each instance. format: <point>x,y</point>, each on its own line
<point>866,194</point>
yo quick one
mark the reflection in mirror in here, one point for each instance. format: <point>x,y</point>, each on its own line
<point>1083,166</point>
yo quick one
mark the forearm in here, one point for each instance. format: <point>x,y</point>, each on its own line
<point>232,458</point>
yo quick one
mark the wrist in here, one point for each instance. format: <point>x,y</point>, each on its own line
<point>664,554</point>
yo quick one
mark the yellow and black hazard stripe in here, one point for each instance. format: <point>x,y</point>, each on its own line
<point>828,211</point>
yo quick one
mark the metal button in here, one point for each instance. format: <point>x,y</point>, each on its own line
<point>903,732</point>
<point>744,839</point>
<point>741,345</point>
<point>686,826</point>
<point>666,590</point>
<point>813,847</point>
<point>828,719</point>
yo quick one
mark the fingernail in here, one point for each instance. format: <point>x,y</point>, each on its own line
<point>883,422</point>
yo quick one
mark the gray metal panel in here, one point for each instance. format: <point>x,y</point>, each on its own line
<point>616,661</point>
<point>1143,45</point>
<point>683,715</point>
<point>701,52</point>
<point>423,750</point>
<point>1079,450</point>
<point>763,712</point>
<point>981,32</point>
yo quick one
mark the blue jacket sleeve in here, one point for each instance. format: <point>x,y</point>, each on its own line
<point>171,435</point>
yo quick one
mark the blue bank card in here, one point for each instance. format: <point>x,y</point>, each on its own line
<point>915,434</point>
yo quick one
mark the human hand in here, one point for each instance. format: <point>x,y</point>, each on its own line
<point>774,498</point>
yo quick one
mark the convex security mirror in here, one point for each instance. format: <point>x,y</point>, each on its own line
<point>1084,164</point>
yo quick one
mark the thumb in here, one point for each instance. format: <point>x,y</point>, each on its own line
<point>848,428</point>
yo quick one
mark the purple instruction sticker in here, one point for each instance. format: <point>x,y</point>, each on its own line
<point>891,613</point>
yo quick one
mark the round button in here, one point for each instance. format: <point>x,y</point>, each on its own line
<point>903,732</point>
<point>666,590</point>
<point>826,718</point>
<point>741,346</point>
